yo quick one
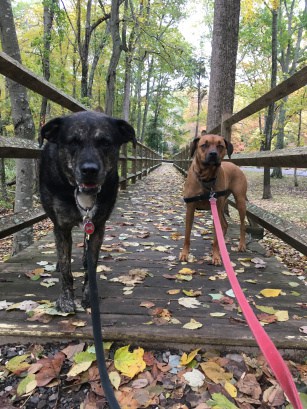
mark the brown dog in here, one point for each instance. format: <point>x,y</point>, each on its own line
<point>208,174</point>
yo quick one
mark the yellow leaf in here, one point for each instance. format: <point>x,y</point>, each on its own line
<point>79,368</point>
<point>129,363</point>
<point>173,292</point>
<point>270,292</point>
<point>282,315</point>
<point>192,293</point>
<point>231,389</point>
<point>214,372</point>
<point>115,379</point>
<point>186,359</point>
<point>268,310</point>
<point>186,270</point>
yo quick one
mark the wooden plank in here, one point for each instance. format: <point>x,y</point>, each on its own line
<point>153,204</point>
<point>19,148</point>
<point>18,221</point>
<point>16,72</point>
<point>290,158</point>
<point>290,85</point>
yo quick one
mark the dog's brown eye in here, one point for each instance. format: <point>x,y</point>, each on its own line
<point>220,147</point>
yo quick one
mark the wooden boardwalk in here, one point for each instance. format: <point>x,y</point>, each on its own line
<point>146,298</point>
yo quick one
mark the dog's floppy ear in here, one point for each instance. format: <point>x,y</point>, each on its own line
<point>229,148</point>
<point>127,132</point>
<point>50,131</point>
<point>193,146</point>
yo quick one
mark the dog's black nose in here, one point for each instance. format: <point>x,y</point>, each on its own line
<point>213,154</point>
<point>89,169</point>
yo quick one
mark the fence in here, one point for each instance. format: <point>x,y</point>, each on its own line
<point>134,162</point>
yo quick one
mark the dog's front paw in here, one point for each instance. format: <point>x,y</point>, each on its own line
<point>65,304</point>
<point>242,247</point>
<point>85,301</point>
<point>184,254</point>
<point>216,260</point>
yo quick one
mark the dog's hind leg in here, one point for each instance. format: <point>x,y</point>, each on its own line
<point>241,207</point>
<point>63,238</point>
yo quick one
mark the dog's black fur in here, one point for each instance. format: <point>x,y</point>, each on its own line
<point>78,169</point>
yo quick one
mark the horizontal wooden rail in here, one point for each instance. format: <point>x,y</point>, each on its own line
<point>292,84</point>
<point>12,223</point>
<point>284,158</point>
<point>290,233</point>
<point>16,72</point>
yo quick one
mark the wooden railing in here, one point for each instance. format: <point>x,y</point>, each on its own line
<point>134,162</point>
<point>292,158</point>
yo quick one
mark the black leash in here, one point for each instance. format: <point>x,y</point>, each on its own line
<point>96,324</point>
<point>206,196</point>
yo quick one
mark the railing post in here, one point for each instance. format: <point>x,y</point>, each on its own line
<point>124,172</point>
<point>134,164</point>
<point>226,130</point>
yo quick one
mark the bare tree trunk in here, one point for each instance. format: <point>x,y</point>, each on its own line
<point>116,52</point>
<point>268,131</point>
<point>147,97</point>
<point>223,60</point>
<point>23,123</point>
<point>49,7</point>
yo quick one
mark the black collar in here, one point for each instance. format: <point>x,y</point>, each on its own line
<point>206,196</point>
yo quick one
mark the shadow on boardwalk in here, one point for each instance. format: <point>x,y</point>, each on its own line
<point>146,298</point>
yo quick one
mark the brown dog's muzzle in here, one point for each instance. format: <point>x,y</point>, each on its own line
<point>212,158</point>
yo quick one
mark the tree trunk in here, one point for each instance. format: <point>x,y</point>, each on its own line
<point>268,130</point>
<point>116,52</point>
<point>49,7</point>
<point>223,60</point>
<point>147,97</point>
<point>23,124</point>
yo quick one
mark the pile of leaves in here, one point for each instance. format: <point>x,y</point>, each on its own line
<point>66,375</point>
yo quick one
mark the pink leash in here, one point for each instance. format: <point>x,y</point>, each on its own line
<point>270,352</point>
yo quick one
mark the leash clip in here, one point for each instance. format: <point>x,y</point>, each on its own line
<point>212,196</point>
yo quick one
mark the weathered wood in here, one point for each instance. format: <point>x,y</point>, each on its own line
<point>290,158</point>
<point>16,72</point>
<point>286,231</point>
<point>18,221</point>
<point>19,148</point>
<point>292,84</point>
<point>152,205</point>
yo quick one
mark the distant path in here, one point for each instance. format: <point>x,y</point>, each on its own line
<point>285,171</point>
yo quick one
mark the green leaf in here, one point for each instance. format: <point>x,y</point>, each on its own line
<point>27,385</point>
<point>84,356</point>
<point>220,401</point>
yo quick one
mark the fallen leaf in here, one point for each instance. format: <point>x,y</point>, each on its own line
<point>186,359</point>
<point>192,324</point>
<point>129,363</point>
<point>270,292</point>
<point>189,302</point>
<point>194,378</point>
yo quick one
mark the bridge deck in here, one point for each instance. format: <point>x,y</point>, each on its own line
<point>139,304</point>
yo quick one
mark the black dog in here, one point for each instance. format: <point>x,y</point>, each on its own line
<point>79,184</point>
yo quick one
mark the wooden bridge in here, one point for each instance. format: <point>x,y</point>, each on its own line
<point>147,295</point>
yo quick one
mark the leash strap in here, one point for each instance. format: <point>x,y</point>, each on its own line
<point>206,196</point>
<point>270,352</point>
<point>96,324</point>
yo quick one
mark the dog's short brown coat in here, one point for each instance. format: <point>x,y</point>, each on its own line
<point>207,171</point>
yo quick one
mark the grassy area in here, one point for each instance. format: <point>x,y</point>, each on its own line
<point>288,201</point>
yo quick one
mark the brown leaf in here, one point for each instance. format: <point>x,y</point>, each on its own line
<point>51,368</point>
<point>250,386</point>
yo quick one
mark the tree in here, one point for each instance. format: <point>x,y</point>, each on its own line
<point>268,129</point>
<point>23,125</point>
<point>223,60</point>
<point>290,53</point>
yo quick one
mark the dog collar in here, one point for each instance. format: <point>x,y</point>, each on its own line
<point>206,196</point>
<point>87,207</point>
